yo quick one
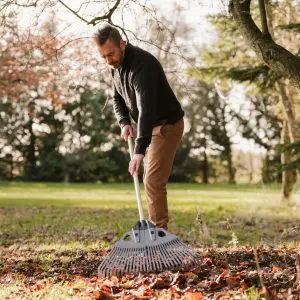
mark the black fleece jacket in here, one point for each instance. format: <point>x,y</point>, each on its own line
<point>142,92</point>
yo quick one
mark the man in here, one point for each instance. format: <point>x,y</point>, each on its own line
<point>142,93</point>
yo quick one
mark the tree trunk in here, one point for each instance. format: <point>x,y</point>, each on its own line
<point>289,113</point>
<point>280,60</point>
<point>293,129</point>
<point>266,170</point>
<point>288,176</point>
<point>205,169</point>
<point>30,172</point>
<point>231,170</point>
<point>11,169</point>
<point>251,164</point>
<point>276,57</point>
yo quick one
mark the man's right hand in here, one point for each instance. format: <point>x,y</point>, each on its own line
<point>126,131</point>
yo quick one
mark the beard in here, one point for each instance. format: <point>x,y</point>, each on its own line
<point>115,65</point>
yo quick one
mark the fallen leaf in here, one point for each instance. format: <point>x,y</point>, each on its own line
<point>38,287</point>
<point>179,279</point>
<point>207,261</point>
<point>96,294</point>
<point>193,296</point>
<point>191,278</point>
<point>7,270</point>
<point>106,289</point>
<point>276,268</point>
<point>114,279</point>
<point>100,295</point>
<point>148,292</point>
<point>222,276</point>
<point>243,284</point>
<point>233,281</point>
<point>160,283</point>
<point>93,279</point>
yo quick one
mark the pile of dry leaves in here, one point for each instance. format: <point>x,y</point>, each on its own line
<point>220,273</point>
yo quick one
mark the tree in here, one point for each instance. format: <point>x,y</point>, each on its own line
<point>91,141</point>
<point>275,56</point>
<point>29,64</point>
<point>279,59</point>
<point>228,62</point>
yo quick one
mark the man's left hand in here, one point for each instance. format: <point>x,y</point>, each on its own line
<point>135,163</point>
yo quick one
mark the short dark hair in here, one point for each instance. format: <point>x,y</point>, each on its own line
<point>107,32</point>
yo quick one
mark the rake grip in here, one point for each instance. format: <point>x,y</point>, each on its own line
<point>136,182</point>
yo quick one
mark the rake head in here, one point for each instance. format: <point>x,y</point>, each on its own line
<point>144,249</point>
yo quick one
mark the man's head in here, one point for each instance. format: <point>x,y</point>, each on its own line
<point>110,45</point>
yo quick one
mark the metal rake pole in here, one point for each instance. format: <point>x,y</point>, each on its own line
<point>136,182</point>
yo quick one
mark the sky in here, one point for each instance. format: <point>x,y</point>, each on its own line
<point>193,11</point>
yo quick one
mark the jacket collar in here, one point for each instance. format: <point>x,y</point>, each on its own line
<point>128,55</point>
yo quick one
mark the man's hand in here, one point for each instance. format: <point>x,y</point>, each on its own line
<point>135,163</point>
<point>126,131</point>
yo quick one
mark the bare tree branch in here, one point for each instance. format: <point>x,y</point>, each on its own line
<point>263,17</point>
<point>121,28</point>
<point>74,12</point>
<point>32,4</point>
<point>14,2</point>
<point>71,41</point>
<point>107,16</point>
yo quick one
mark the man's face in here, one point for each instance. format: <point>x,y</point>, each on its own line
<point>111,53</point>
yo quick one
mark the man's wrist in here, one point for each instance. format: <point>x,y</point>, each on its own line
<point>140,148</point>
<point>138,155</point>
<point>124,123</point>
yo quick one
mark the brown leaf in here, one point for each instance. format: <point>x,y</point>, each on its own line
<point>214,285</point>
<point>100,295</point>
<point>74,290</point>
<point>273,293</point>
<point>194,296</point>
<point>114,279</point>
<point>96,294</point>
<point>276,268</point>
<point>191,278</point>
<point>7,270</point>
<point>222,276</point>
<point>179,279</point>
<point>93,279</point>
<point>134,297</point>
<point>243,284</point>
<point>148,292</point>
<point>38,287</point>
<point>233,281</point>
<point>108,283</point>
<point>207,261</point>
<point>160,283</point>
<point>106,289</point>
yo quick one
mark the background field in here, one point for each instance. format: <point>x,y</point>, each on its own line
<point>89,213</point>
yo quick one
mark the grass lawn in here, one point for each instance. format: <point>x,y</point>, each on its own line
<point>49,225</point>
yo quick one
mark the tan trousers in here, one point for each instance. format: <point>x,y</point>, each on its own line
<point>158,163</point>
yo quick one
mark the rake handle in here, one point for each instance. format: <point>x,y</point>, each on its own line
<point>136,182</point>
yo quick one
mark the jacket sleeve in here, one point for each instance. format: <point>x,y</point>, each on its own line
<point>145,86</point>
<point>120,109</point>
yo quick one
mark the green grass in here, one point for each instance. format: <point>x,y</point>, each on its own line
<point>47,213</point>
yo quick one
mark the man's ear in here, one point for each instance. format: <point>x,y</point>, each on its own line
<point>122,44</point>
